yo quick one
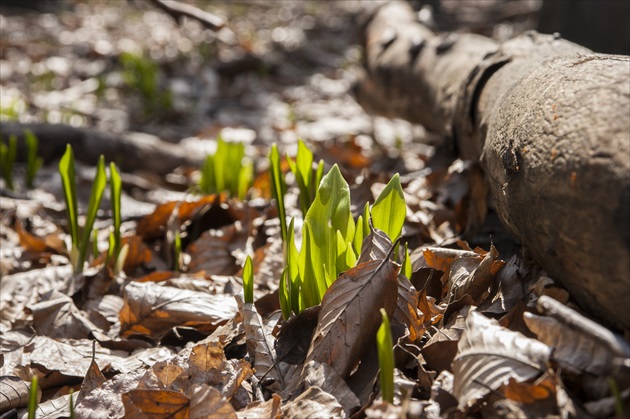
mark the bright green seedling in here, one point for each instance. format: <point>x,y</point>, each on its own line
<point>71,404</point>
<point>115,192</point>
<point>407,269</point>
<point>32,398</point>
<point>278,188</point>
<point>8,154</point>
<point>248,281</point>
<point>78,251</point>
<point>306,178</point>
<point>33,162</point>
<point>389,210</point>
<point>385,348</point>
<point>227,170</point>
<point>178,252</point>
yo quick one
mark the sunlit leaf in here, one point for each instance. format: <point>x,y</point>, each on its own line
<point>385,346</point>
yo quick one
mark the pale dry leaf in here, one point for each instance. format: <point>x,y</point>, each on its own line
<point>473,276</point>
<point>578,343</point>
<point>375,246</point>
<point>327,379</point>
<point>489,355</point>
<point>57,317</point>
<point>313,403</point>
<point>269,409</point>
<point>208,403</point>
<point>406,312</point>
<point>51,409</point>
<point>13,393</point>
<point>350,314</point>
<point>440,350</point>
<point>106,401</point>
<point>153,310</point>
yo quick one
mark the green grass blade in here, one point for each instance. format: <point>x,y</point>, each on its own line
<point>389,210</point>
<point>71,404</point>
<point>98,187</point>
<point>177,246</point>
<point>385,348</point>
<point>32,398</point>
<point>407,269</point>
<point>284,291</point>
<point>115,189</point>
<point>248,281</point>
<point>68,179</point>
<point>293,258</point>
<point>207,183</point>
<point>278,188</point>
<point>245,177</point>
<point>220,165</point>
<point>33,163</point>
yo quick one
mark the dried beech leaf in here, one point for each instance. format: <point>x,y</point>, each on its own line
<point>137,253</point>
<point>473,276</point>
<point>489,355</point>
<point>527,393</point>
<point>313,403</point>
<point>327,379</point>
<point>32,243</point>
<point>153,310</point>
<point>54,408</point>
<point>156,404</point>
<point>578,343</point>
<point>58,317</point>
<point>212,253</point>
<point>294,338</point>
<point>260,345</point>
<point>13,393</point>
<point>406,312</point>
<point>375,246</point>
<point>207,403</point>
<point>270,409</point>
<point>94,379</point>
<point>350,315</point>
<point>440,350</point>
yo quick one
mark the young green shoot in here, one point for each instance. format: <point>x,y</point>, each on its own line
<point>178,252</point>
<point>79,242</point>
<point>115,192</point>
<point>306,178</point>
<point>227,170</point>
<point>32,398</point>
<point>278,188</point>
<point>71,404</point>
<point>33,162</point>
<point>389,210</point>
<point>248,281</point>
<point>407,269</point>
<point>7,159</point>
<point>385,348</point>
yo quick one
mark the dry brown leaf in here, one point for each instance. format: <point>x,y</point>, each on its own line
<point>440,350</point>
<point>51,409</point>
<point>208,403</point>
<point>375,246</point>
<point>295,336</point>
<point>137,253</point>
<point>350,315</point>
<point>313,403</point>
<point>31,243</point>
<point>473,277</point>
<point>406,312</point>
<point>93,380</point>
<point>430,313</point>
<point>528,393</point>
<point>145,403</point>
<point>153,310</point>
<point>325,378</point>
<point>489,355</point>
<point>58,317</point>
<point>578,343</point>
<point>270,409</point>
<point>153,225</point>
<point>14,393</point>
<point>211,252</point>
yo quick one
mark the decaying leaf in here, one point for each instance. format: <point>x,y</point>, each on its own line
<point>143,403</point>
<point>56,316</point>
<point>294,338</point>
<point>314,402</point>
<point>208,402</point>
<point>578,343</point>
<point>211,252</point>
<point>350,315</point>
<point>440,350</point>
<point>325,378</point>
<point>153,310</point>
<point>406,312</point>
<point>489,355</point>
<point>13,393</point>
<point>270,409</point>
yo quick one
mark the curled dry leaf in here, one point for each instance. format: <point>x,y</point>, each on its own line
<point>489,355</point>
<point>153,310</point>
<point>578,343</point>
<point>350,316</point>
<point>406,312</point>
<point>375,246</point>
<point>211,252</point>
<point>313,403</point>
<point>440,350</point>
<point>144,403</point>
<point>325,378</point>
<point>208,402</point>
<point>58,317</point>
<point>13,393</point>
<point>271,409</point>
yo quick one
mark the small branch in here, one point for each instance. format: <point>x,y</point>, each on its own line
<point>177,10</point>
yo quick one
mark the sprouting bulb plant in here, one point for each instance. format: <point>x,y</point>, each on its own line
<point>385,351</point>
<point>227,170</point>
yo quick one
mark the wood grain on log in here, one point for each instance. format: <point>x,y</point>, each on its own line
<point>550,123</point>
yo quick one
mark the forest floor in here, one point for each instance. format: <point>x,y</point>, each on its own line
<point>168,335</point>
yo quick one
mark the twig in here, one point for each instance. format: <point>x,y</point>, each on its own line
<point>177,10</point>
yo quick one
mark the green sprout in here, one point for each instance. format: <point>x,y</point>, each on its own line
<point>115,190</point>
<point>8,154</point>
<point>33,162</point>
<point>32,398</point>
<point>306,178</point>
<point>385,348</point>
<point>141,74</point>
<point>278,188</point>
<point>71,404</point>
<point>227,170</point>
<point>248,281</point>
<point>78,251</point>
<point>177,245</point>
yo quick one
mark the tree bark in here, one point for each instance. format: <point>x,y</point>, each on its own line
<point>549,122</point>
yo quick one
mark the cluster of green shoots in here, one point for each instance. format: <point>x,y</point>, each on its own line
<point>80,239</point>
<point>141,74</point>
<point>8,155</point>
<point>227,170</point>
<point>331,239</point>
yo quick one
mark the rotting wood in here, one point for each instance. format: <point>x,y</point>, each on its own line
<point>549,122</point>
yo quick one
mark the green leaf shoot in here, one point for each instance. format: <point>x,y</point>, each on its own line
<point>32,398</point>
<point>98,187</point>
<point>248,281</point>
<point>278,188</point>
<point>68,179</point>
<point>389,210</point>
<point>115,189</point>
<point>385,348</point>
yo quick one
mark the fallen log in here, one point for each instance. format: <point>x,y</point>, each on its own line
<point>549,122</point>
